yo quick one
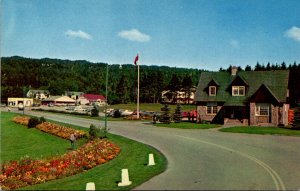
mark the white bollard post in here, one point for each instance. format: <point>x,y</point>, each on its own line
<point>90,186</point>
<point>151,160</point>
<point>125,178</point>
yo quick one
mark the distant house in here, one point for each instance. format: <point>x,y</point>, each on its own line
<point>89,99</point>
<point>58,101</point>
<point>246,97</point>
<point>38,94</point>
<point>181,96</point>
<point>15,102</point>
<point>74,95</point>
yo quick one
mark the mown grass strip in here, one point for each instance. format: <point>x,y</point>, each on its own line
<point>262,130</point>
<point>187,125</point>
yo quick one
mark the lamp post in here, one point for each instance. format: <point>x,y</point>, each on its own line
<point>106,84</point>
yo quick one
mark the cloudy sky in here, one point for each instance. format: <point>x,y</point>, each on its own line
<point>203,34</point>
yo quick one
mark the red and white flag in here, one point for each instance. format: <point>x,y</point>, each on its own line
<point>136,59</point>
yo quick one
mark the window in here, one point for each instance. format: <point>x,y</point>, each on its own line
<point>212,91</point>
<point>238,90</point>
<point>211,108</point>
<point>262,109</point>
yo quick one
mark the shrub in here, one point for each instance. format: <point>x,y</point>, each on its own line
<point>117,114</point>
<point>94,112</point>
<point>42,119</point>
<point>33,122</point>
<point>97,132</point>
<point>296,120</point>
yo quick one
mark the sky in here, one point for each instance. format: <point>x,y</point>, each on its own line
<point>202,34</point>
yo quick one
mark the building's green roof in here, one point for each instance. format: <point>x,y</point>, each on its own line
<point>275,81</point>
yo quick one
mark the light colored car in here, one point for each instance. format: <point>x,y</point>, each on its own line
<point>20,107</point>
<point>108,111</point>
<point>126,112</point>
<point>79,108</point>
<point>71,108</point>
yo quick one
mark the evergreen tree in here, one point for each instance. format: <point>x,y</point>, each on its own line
<point>174,86</point>
<point>248,68</point>
<point>283,66</point>
<point>165,117</point>
<point>187,85</point>
<point>177,115</point>
<point>268,68</point>
<point>222,70</point>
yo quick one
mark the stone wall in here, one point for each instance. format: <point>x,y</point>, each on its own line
<point>201,111</point>
<point>278,115</point>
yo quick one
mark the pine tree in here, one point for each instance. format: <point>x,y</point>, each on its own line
<point>165,117</point>
<point>248,68</point>
<point>177,115</point>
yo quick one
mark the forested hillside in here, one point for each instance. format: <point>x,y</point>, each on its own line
<point>19,74</point>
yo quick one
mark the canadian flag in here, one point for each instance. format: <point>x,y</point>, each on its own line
<point>136,59</point>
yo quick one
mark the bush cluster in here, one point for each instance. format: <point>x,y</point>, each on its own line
<point>33,122</point>
<point>97,132</point>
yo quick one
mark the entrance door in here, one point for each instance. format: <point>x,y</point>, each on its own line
<point>236,113</point>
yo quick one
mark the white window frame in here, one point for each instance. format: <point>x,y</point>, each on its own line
<point>262,109</point>
<point>211,108</point>
<point>240,90</point>
<point>210,90</point>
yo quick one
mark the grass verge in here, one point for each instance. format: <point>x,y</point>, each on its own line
<point>262,130</point>
<point>187,125</point>
<point>133,156</point>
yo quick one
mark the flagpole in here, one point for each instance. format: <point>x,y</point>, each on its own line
<point>138,93</point>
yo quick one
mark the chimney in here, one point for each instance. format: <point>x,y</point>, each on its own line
<point>234,70</point>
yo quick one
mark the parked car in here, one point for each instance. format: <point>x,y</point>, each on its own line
<point>80,109</point>
<point>126,112</point>
<point>141,113</point>
<point>70,108</point>
<point>149,113</point>
<point>108,111</point>
<point>20,107</point>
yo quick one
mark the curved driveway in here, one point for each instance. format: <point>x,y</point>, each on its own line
<point>212,160</point>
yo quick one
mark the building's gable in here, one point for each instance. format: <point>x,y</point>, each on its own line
<point>263,95</point>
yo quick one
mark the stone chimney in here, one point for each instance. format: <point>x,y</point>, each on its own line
<point>234,70</point>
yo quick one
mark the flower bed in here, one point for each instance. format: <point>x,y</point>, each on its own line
<point>58,130</point>
<point>17,174</point>
<point>54,129</point>
<point>21,120</point>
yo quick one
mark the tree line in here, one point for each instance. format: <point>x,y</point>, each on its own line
<point>19,74</point>
<point>267,67</point>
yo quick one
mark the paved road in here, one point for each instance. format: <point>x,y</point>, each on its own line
<point>212,160</point>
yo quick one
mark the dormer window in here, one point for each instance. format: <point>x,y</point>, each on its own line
<point>212,90</point>
<point>238,90</point>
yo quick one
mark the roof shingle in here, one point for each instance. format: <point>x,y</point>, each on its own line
<point>275,81</point>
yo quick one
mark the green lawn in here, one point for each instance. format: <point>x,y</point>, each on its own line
<point>18,141</point>
<point>262,130</point>
<point>133,156</point>
<point>187,125</point>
